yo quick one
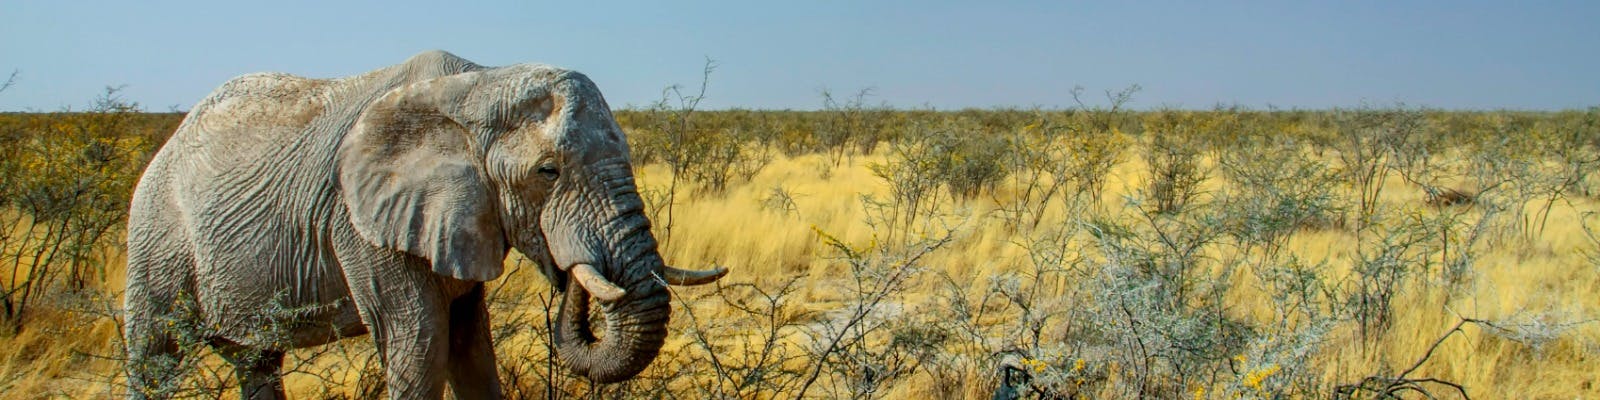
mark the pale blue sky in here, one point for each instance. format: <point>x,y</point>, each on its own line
<point>1455,54</point>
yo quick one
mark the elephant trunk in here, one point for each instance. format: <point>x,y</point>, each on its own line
<point>635,326</point>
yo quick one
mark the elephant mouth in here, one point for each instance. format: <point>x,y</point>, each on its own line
<point>620,340</point>
<point>627,333</point>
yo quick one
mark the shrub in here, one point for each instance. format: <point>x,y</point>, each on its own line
<point>1159,307</point>
<point>1057,159</point>
<point>849,127</point>
<point>1276,190</point>
<point>1172,155</point>
<point>67,181</point>
<point>1366,141</point>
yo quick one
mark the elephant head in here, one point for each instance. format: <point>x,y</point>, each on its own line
<point>460,168</point>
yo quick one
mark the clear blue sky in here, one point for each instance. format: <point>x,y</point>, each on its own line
<point>1455,54</point>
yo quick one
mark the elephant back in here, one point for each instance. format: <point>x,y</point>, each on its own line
<point>266,106</point>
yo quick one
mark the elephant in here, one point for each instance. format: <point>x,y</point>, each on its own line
<point>287,212</point>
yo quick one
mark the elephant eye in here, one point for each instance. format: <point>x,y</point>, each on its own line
<point>549,171</point>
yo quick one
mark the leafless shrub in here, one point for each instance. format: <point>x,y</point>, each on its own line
<point>10,80</point>
<point>764,362</point>
<point>1101,144</point>
<point>672,139</point>
<point>716,160</point>
<point>1385,262</point>
<point>1568,150</point>
<point>950,155</point>
<point>913,178</point>
<point>1159,320</point>
<point>780,200</point>
<point>1172,154</point>
<point>1277,190</point>
<point>1022,326</point>
<point>1095,153</point>
<point>1057,159</point>
<point>869,344</point>
<point>850,126</point>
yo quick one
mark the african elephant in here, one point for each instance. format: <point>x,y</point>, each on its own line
<point>288,212</point>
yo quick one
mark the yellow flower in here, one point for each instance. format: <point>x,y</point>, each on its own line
<point>1035,364</point>
<point>1199,393</point>
<point>1254,379</point>
<point>1077,365</point>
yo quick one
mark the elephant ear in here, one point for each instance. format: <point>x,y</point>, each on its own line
<point>412,182</point>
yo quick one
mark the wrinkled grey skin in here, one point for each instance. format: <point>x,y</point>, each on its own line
<point>288,212</point>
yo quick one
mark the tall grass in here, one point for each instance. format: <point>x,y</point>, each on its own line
<point>1091,252</point>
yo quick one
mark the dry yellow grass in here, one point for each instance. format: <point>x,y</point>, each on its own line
<point>1549,278</point>
<point>1550,275</point>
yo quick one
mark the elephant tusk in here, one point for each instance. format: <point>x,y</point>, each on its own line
<point>596,284</point>
<point>686,277</point>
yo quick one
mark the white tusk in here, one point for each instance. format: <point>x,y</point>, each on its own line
<point>595,283</point>
<point>684,277</point>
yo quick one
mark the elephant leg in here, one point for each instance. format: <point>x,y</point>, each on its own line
<point>414,351</point>
<point>156,307</point>
<point>153,356</point>
<point>409,321</point>
<point>472,362</point>
<point>257,371</point>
